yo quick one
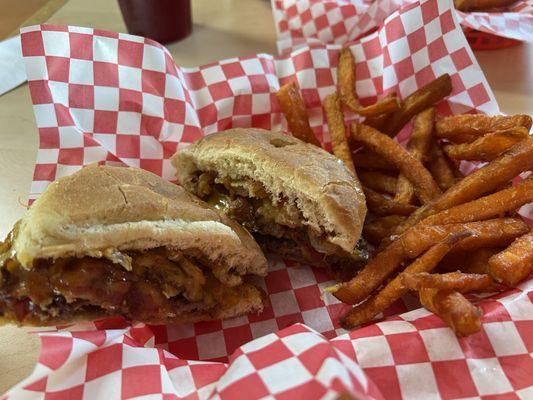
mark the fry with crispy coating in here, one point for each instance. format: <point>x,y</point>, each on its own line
<point>368,159</point>
<point>495,232</point>
<point>367,310</point>
<point>515,263</point>
<point>468,127</point>
<point>478,260</point>
<point>378,181</point>
<point>517,159</point>
<point>490,233</point>
<point>346,396</point>
<point>471,262</point>
<point>486,207</point>
<point>346,78</point>
<point>332,109</point>
<point>293,107</point>
<point>425,187</point>
<point>374,231</point>
<point>379,121</point>
<point>487,147</point>
<point>458,281</point>
<point>454,309</point>
<point>346,84</point>
<point>442,170</point>
<point>418,146</point>
<point>418,101</point>
<point>381,205</point>
<point>385,106</point>
<point>481,5</point>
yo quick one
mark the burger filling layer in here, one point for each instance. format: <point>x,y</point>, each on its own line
<point>158,287</point>
<point>248,203</point>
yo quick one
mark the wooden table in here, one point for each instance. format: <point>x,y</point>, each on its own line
<point>222,29</point>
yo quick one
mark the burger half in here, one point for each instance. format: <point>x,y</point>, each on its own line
<point>298,200</point>
<point>122,241</point>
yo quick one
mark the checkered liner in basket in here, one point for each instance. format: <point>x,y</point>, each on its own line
<point>114,98</point>
<point>339,21</point>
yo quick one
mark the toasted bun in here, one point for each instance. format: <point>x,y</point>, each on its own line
<point>328,195</point>
<point>100,209</point>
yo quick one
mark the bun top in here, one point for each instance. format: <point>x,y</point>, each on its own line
<point>101,209</point>
<point>328,195</point>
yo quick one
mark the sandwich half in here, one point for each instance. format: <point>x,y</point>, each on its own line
<point>122,241</point>
<point>298,200</point>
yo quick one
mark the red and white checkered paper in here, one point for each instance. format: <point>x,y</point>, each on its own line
<point>339,21</point>
<point>114,98</point>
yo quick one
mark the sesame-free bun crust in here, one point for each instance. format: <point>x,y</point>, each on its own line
<point>101,207</point>
<point>328,195</point>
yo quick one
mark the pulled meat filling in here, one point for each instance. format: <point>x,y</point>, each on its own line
<point>158,284</point>
<point>248,203</point>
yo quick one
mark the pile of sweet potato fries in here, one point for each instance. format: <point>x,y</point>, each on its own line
<point>435,231</point>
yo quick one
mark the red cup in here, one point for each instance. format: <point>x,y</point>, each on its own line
<point>161,20</point>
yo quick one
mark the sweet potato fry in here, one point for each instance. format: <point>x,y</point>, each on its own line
<point>386,106</point>
<point>346,396</point>
<point>482,5</point>
<point>425,187</point>
<point>478,260</point>
<point>332,109</point>
<point>442,170</point>
<point>380,205</point>
<point>458,281</point>
<point>367,159</point>
<point>379,121</point>
<point>491,233</point>
<point>454,309</point>
<point>367,310</point>
<point>346,84</point>
<point>487,147</point>
<point>375,230</point>
<point>346,78</point>
<point>418,101</point>
<point>418,146</point>
<point>293,107</point>
<point>515,263</point>
<point>495,232</point>
<point>517,159</point>
<point>378,181</point>
<point>471,262</point>
<point>486,207</point>
<point>468,127</point>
